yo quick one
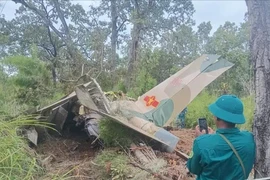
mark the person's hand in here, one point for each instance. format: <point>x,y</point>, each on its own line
<point>210,131</point>
<point>198,132</point>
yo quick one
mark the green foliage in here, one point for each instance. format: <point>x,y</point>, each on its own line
<point>199,108</point>
<point>121,86</point>
<point>25,82</point>
<point>145,80</point>
<point>28,81</point>
<point>249,107</point>
<point>28,77</point>
<point>231,42</point>
<point>115,163</point>
<point>114,134</point>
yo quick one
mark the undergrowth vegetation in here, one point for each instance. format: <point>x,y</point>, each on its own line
<point>114,164</point>
<point>114,134</point>
<point>17,160</point>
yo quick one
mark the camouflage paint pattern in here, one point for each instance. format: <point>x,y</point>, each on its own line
<point>176,92</point>
<point>160,106</point>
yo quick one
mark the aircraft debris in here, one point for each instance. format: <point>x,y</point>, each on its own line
<point>149,114</point>
<point>32,135</point>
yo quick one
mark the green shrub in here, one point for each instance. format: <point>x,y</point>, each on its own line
<point>249,106</point>
<point>114,134</point>
<point>199,108</point>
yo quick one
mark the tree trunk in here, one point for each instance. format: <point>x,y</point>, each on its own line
<point>259,17</point>
<point>114,34</point>
<point>133,52</point>
<point>133,55</point>
<point>54,73</point>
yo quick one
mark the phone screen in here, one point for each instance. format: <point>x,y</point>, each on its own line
<point>203,124</point>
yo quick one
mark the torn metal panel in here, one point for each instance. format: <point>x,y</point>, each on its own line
<point>92,127</point>
<point>60,118</point>
<point>32,135</point>
<point>85,98</point>
<point>70,97</point>
<point>52,114</point>
<point>59,115</point>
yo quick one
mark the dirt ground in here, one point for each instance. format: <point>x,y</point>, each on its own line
<point>186,137</point>
<point>176,166</point>
<point>73,156</point>
<point>67,157</point>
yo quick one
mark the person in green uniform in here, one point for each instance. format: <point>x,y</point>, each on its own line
<point>212,157</point>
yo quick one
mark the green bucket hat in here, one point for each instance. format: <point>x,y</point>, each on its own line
<point>228,108</point>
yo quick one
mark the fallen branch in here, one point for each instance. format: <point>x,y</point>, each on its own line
<point>105,100</point>
<point>95,139</point>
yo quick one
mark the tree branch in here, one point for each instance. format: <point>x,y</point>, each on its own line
<point>61,16</point>
<point>49,51</point>
<point>121,25</point>
<point>40,13</point>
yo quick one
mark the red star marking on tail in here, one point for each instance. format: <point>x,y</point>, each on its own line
<point>151,101</point>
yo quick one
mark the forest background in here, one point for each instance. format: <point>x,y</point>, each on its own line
<point>50,46</point>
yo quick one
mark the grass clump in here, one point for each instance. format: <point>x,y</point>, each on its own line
<point>17,161</point>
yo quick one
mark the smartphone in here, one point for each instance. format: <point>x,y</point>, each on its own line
<point>203,124</point>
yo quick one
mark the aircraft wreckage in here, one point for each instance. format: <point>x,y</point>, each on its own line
<point>148,114</point>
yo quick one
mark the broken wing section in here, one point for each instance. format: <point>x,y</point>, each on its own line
<point>140,125</point>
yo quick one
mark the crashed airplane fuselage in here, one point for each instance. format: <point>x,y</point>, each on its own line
<point>154,109</point>
<point>160,106</point>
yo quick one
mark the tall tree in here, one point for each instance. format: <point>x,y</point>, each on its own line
<point>114,32</point>
<point>259,17</point>
<point>230,42</point>
<point>203,35</point>
<point>41,8</point>
<point>182,43</point>
<point>150,19</point>
<point>117,11</point>
<point>53,15</point>
<point>66,36</point>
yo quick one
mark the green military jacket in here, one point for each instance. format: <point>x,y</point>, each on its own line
<point>212,158</point>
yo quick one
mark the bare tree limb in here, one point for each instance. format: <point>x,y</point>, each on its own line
<point>61,16</point>
<point>41,14</point>
<point>121,25</point>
